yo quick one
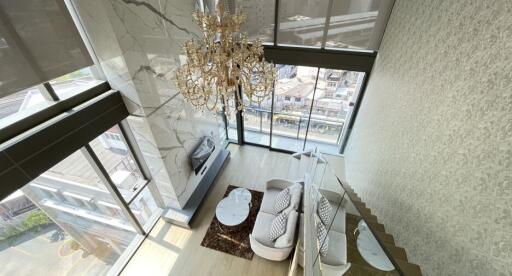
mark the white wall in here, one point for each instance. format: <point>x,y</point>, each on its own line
<point>431,149</point>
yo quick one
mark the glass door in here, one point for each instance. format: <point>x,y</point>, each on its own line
<point>310,107</point>
<point>231,128</point>
<point>257,118</point>
<point>336,92</point>
<point>293,95</point>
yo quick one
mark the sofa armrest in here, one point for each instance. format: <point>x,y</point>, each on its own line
<point>278,183</point>
<point>274,254</point>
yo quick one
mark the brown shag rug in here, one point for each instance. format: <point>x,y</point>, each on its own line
<point>234,240</point>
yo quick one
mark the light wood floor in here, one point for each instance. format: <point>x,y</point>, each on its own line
<point>171,250</point>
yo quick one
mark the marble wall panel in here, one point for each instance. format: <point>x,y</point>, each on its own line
<point>179,128</point>
<point>138,44</point>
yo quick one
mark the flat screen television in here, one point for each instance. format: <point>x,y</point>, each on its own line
<point>201,153</point>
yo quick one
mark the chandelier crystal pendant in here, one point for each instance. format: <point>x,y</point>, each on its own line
<point>224,66</point>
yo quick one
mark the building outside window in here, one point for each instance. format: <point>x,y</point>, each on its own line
<point>19,105</point>
<point>69,213</point>
<point>76,82</point>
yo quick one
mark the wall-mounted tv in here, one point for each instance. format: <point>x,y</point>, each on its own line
<point>201,153</point>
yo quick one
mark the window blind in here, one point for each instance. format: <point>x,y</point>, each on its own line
<point>38,42</point>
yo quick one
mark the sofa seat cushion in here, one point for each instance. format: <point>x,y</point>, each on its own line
<point>337,250</point>
<point>287,239</point>
<point>339,221</point>
<point>262,228</point>
<point>269,200</point>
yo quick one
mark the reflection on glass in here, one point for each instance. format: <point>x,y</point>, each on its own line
<point>301,22</point>
<point>223,135</point>
<point>144,206</point>
<point>352,24</point>
<point>115,156</point>
<point>336,91</point>
<point>294,89</point>
<point>75,82</point>
<point>73,196</point>
<point>351,246</point>
<point>231,118</point>
<point>22,104</point>
<point>31,241</point>
<point>257,121</point>
<point>260,19</point>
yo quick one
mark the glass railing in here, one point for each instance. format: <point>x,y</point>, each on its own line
<point>319,124</point>
<point>345,240</point>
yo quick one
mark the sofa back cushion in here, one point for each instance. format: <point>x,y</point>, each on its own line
<point>286,240</point>
<point>324,210</point>
<point>282,200</point>
<point>323,238</point>
<point>278,226</point>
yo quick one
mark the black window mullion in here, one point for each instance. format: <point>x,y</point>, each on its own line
<point>51,91</point>
<point>311,109</point>
<point>240,119</point>
<point>272,110</point>
<point>224,118</point>
<point>276,21</point>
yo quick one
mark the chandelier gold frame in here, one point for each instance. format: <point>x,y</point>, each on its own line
<point>224,67</point>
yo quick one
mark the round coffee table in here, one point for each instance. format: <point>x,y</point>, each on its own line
<point>241,195</point>
<point>234,209</point>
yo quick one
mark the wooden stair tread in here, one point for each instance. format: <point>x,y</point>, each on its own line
<point>408,269</point>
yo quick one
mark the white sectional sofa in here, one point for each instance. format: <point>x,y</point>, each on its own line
<point>281,248</point>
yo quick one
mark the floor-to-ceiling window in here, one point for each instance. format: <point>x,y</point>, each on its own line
<point>293,93</point>
<point>257,120</point>
<point>309,108</point>
<point>336,92</point>
<point>231,121</point>
<point>323,53</point>
<point>85,213</point>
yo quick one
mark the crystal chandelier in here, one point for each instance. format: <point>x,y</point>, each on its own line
<point>224,67</point>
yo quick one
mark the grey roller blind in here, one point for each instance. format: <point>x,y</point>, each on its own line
<point>38,42</point>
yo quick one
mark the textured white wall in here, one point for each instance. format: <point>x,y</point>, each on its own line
<point>431,150</point>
